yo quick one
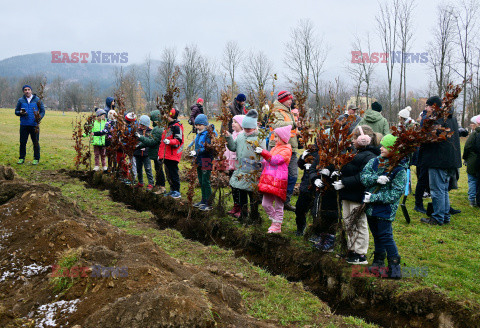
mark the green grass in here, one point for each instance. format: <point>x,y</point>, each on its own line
<point>62,281</point>
<point>450,252</point>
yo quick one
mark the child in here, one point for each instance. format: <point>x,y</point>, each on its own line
<point>231,157</point>
<point>141,154</point>
<point>382,197</point>
<point>170,151</point>
<point>352,191</point>
<point>471,155</point>
<point>203,160</point>
<point>242,179</point>
<point>98,142</point>
<point>274,179</point>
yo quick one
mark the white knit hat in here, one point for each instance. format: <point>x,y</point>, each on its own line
<point>405,113</point>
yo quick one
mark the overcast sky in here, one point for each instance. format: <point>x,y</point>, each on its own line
<point>142,27</point>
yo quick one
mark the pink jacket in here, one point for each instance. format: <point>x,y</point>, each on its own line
<point>274,178</point>
<point>231,156</point>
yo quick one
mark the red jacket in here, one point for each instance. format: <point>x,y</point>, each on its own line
<point>172,151</point>
<point>274,178</point>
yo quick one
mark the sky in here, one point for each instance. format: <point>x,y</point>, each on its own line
<point>146,27</point>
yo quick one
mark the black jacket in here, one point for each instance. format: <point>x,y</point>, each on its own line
<point>445,154</point>
<point>354,190</point>
<point>308,175</point>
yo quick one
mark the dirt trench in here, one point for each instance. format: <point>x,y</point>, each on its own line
<point>375,300</point>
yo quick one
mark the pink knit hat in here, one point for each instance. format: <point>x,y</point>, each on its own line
<point>284,133</point>
<point>239,119</point>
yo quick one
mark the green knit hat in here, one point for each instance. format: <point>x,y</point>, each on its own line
<point>388,141</point>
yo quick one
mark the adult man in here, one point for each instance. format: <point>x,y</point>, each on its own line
<point>26,108</point>
<point>374,119</point>
<point>195,110</point>
<point>109,104</point>
<point>442,159</point>
<point>282,116</point>
<point>351,111</point>
<point>237,107</point>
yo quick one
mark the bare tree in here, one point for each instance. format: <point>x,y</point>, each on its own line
<point>466,20</point>
<point>73,96</point>
<point>147,82</point>
<point>190,73</point>
<point>208,83</point>
<point>56,92</point>
<point>90,95</point>
<point>405,33</point>
<point>441,47</point>
<point>232,59</point>
<point>258,72</point>
<point>362,71</point>
<point>387,25</point>
<point>317,60</point>
<point>166,68</point>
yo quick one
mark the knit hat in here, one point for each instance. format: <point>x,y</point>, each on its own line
<point>434,100</point>
<point>155,116</point>
<point>112,115</point>
<point>239,119</point>
<point>283,132</point>
<point>363,139</point>
<point>26,86</point>
<point>405,113</point>
<point>250,120</point>
<point>241,97</point>
<point>477,119</point>
<point>144,120</point>
<point>130,117</point>
<point>100,112</point>
<point>283,96</point>
<point>200,100</point>
<point>388,141</point>
<point>201,120</point>
<point>377,107</point>
<point>173,113</point>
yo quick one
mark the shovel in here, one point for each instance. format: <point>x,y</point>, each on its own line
<point>402,205</point>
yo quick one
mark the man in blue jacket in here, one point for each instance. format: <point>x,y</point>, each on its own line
<point>26,108</point>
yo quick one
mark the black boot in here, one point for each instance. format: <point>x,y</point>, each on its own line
<point>378,268</point>
<point>394,269</point>
<point>287,206</point>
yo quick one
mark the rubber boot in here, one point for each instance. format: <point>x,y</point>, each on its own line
<point>378,268</point>
<point>394,269</point>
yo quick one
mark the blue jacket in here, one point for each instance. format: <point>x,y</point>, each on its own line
<point>108,104</point>
<point>204,158</point>
<point>31,108</point>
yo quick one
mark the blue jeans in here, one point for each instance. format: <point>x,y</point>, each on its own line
<point>472,188</point>
<point>382,233</point>
<point>439,180</point>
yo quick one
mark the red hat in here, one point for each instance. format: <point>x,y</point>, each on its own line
<point>283,96</point>
<point>130,117</point>
<point>173,113</point>
<point>199,100</point>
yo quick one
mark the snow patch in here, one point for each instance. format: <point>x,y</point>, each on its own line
<point>49,312</point>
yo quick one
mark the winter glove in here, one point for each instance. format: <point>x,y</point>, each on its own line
<point>335,173</point>
<point>318,183</point>
<point>383,179</point>
<point>258,150</point>
<point>325,172</point>
<point>308,166</point>
<point>166,141</point>
<point>193,153</point>
<point>366,198</point>
<point>305,154</point>
<point>338,185</point>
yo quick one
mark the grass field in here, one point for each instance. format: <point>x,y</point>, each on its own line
<point>450,252</point>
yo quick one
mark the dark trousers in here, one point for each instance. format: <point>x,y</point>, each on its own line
<point>26,131</point>
<point>422,185</point>
<point>382,233</point>
<point>159,175</point>
<point>172,173</point>
<point>204,180</point>
<point>303,205</point>
<point>236,196</point>
<point>144,162</point>
<point>254,202</point>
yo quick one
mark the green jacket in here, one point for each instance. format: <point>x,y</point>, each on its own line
<point>153,140</point>
<point>470,153</point>
<point>279,112</point>
<point>97,127</point>
<point>247,160</point>
<point>376,121</point>
<point>384,201</point>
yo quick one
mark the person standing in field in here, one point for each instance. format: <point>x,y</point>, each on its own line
<point>26,108</point>
<point>374,119</point>
<point>195,110</point>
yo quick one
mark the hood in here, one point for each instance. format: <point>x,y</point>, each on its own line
<point>155,117</point>
<point>373,116</point>
<point>108,102</point>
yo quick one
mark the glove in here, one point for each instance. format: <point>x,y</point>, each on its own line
<point>338,185</point>
<point>193,153</point>
<point>366,198</point>
<point>318,183</point>
<point>383,179</point>
<point>138,135</point>
<point>166,141</point>
<point>325,172</point>
<point>335,173</point>
<point>258,150</point>
<point>305,154</point>
<point>308,166</point>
